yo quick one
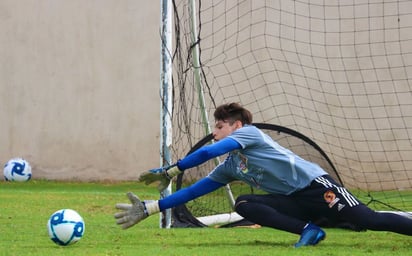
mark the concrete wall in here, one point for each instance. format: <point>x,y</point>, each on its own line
<point>79,86</point>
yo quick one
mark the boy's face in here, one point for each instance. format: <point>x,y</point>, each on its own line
<point>223,128</point>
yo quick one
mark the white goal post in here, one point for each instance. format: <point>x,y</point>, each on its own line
<point>166,100</point>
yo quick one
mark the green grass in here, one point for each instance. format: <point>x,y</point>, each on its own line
<point>26,207</point>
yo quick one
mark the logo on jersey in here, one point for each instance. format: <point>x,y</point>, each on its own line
<point>330,198</point>
<point>243,163</point>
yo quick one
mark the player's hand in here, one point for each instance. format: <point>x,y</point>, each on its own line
<point>131,214</point>
<point>162,174</point>
<point>156,175</point>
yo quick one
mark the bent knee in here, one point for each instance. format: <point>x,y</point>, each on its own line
<point>241,201</point>
<point>245,198</point>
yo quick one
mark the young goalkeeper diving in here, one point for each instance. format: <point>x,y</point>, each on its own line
<point>299,192</point>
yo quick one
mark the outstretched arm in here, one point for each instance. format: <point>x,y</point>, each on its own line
<point>138,210</point>
<point>208,152</point>
<point>198,189</point>
<point>165,174</point>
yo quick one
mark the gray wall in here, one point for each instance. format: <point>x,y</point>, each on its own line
<point>79,84</point>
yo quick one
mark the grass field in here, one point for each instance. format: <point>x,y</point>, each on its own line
<point>26,207</point>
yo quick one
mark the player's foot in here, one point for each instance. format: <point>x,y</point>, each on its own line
<point>311,235</point>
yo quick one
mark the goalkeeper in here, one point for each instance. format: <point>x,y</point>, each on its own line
<point>298,192</point>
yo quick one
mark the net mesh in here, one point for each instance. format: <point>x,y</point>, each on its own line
<point>338,72</point>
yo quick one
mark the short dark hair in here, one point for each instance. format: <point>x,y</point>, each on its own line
<point>233,112</point>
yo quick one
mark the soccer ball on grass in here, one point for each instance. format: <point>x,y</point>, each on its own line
<point>65,227</point>
<point>17,169</point>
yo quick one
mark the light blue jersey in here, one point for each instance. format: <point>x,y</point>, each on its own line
<point>264,164</point>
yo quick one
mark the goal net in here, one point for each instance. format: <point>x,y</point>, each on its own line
<point>336,72</point>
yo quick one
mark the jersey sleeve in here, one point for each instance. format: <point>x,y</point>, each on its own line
<point>247,136</point>
<point>208,152</point>
<point>200,188</point>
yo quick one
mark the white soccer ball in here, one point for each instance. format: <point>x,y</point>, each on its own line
<point>17,169</point>
<point>65,227</point>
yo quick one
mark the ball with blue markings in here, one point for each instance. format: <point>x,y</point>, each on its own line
<point>65,227</point>
<point>17,169</point>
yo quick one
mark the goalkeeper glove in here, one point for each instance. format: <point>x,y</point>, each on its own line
<point>132,214</point>
<point>162,174</point>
